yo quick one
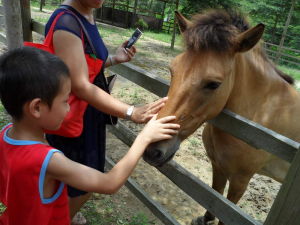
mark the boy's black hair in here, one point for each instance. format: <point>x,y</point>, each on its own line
<point>27,73</point>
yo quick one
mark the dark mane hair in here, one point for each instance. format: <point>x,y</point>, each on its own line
<point>216,30</point>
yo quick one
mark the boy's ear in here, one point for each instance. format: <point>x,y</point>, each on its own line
<point>34,107</point>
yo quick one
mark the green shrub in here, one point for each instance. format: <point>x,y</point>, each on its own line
<point>141,24</point>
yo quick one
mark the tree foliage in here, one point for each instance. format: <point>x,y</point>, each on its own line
<point>272,13</point>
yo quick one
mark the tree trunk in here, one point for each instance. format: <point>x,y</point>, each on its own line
<point>26,20</point>
<point>134,12</point>
<point>163,16</point>
<point>151,2</point>
<point>113,12</point>
<point>174,27</point>
<point>273,29</point>
<point>127,15</point>
<point>14,34</point>
<point>287,23</point>
<point>42,4</point>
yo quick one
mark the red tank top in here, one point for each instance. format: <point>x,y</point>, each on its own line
<point>23,166</point>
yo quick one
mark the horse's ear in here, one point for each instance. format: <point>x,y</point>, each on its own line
<point>249,38</point>
<point>182,21</point>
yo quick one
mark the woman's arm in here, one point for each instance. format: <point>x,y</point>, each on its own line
<point>70,49</point>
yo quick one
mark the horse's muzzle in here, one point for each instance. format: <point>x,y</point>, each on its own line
<point>161,152</point>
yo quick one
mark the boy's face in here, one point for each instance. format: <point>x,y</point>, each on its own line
<point>54,116</point>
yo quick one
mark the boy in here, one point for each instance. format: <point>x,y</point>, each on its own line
<point>34,89</point>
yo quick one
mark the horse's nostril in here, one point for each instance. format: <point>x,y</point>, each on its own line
<point>157,154</point>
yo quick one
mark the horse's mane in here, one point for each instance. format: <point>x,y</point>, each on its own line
<point>216,30</point>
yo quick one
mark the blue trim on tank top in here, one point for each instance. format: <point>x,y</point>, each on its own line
<point>42,180</point>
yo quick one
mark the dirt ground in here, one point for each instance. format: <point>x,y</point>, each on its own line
<point>155,57</point>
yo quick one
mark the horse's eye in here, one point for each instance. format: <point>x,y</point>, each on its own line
<point>212,85</point>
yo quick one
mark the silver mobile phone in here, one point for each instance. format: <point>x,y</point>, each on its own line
<point>135,36</point>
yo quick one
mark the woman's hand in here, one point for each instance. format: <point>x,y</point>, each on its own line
<point>124,55</point>
<point>143,114</point>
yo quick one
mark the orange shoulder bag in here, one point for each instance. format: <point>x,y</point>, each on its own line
<point>72,125</point>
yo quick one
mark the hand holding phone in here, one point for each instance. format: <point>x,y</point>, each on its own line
<point>135,36</point>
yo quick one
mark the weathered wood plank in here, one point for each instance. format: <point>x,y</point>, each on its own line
<point>256,135</point>
<point>225,210</point>
<point>121,131</point>
<point>38,27</point>
<point>213,201</point>
<point>286,207</point>
<point>153,206</point>
<point>143,78</point>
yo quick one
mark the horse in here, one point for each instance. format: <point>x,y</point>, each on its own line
<point>223,66</point>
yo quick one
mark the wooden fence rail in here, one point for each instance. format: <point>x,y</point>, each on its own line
<point>284,55</point>
<point>248,131</point>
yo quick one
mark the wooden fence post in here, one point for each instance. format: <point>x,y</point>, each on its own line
<point>286,207</point>
<point>26,20</point>
<point>14,35</point>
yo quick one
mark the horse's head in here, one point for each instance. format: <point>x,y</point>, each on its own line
<point>203,75</point>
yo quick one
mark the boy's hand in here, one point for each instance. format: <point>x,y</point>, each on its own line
<point>161,129</point>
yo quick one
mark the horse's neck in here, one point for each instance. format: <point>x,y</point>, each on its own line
<point>261,95</point>
<point>253,76</point>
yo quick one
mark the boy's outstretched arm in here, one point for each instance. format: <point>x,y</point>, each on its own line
<point>91,180</point>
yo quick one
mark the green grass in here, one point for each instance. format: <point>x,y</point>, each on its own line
<point>290,71</point>
<point>4,118</point>
<point>41,19</point>
<point>2,208</point>
<point>164,37</point>
<point>36,4</point>
<point>104,211</point>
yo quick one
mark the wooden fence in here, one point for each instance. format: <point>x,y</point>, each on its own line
<point>286,207</point>
<point>283,55</point>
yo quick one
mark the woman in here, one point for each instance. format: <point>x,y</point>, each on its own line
<point>89,148</point>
